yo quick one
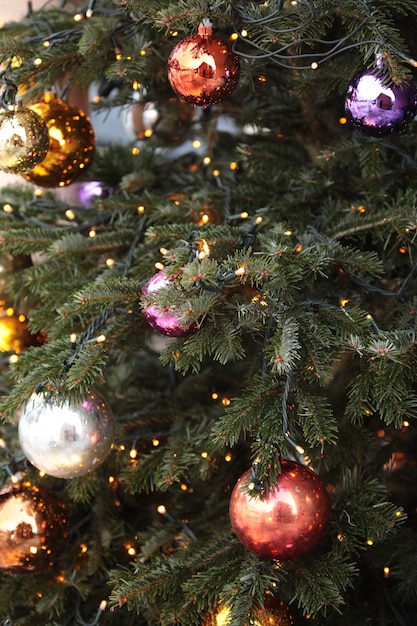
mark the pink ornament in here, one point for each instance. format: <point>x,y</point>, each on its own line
<point>165,321</point>
<point>286,522</point>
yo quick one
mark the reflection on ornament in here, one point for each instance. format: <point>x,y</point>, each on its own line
<point>287,521</point>
<point>90,191</point>
<point>33,528</point>
<point>165,321</point>
<point>277,613</point>
<point>206,215</point>
<point>203,69</point>
<point>63,439</point>
<point>24,140</point>
<point>168,119</point>
<point>378,109</point>
<point>14,334</point>
<point>72,143</point>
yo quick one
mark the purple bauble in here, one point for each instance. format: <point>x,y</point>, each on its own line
<point>378,109</point>
<point>165,321</point>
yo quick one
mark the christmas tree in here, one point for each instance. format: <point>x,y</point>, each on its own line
<point>207,323</point>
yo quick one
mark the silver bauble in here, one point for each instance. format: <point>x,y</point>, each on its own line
<point>63,439</point>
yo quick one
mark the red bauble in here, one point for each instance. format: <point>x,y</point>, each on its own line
<point>287,521</point>
<point>167,320</point>
<point>203,69</point>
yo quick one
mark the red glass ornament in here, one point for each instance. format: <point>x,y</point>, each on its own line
<point>203,69</point>
<point>287,521</point>
<point>165,321</point>
<point>33,529</point>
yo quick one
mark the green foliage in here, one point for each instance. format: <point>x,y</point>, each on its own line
<point>290,242</point>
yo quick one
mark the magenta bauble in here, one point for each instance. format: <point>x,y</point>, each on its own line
<point>379,109</point>
<point>286,522</point>
<point>165,320</point>
<point>203,69</point>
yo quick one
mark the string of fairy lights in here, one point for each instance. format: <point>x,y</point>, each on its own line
<point>281,56</point>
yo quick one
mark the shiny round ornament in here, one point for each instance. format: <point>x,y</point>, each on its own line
<point>287,521</point>
<point>24,140</point>
<point>64,439</point>
<point>166,321</point>
<point>71,143</point>
<point>379,109</point>
<point>277,613</point>
<point>203,69</point>
<point>14,333</point>
<point>33,529</point>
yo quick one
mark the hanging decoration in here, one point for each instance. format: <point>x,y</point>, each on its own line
<point>66,439</point>
<point>276,613</point>
<point>72,143</point>
<point>33,528</point>
<point>168,119</point>
<point>14,333</point>
<point>379,109</point>
<point>24,139</point>
<point>166,321</point>
<point>286,522</point>
<point>202,68</point>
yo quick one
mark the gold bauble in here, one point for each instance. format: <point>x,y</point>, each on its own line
<point>24,140</point>
<point>72,143</point>
<point>14,334</point>
<point>277,614</point>
<point>33,528</point>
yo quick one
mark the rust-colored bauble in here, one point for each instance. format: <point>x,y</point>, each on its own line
<point>246,291</point>
<point>203,69</point>
<point>285,522</point>
<point>33,528</point>
<point>24,140</point>
<point>71,143</point>
<point>277,613</point>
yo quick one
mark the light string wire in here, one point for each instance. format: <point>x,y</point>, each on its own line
<point>400,294</point>
<point>99,322</point>
<point>90,334</point>
<point>282,55</point>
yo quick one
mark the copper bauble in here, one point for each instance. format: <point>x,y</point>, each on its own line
<point>72,143</point>
<point>287,521</point>
<point>203,69</point>
<point>33,529</point>
<point>66,439</point>
<point>24,140</point>
<point>277,613</point>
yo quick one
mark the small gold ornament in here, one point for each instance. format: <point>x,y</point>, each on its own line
<point>72,143</point>
<point>24,139</point>
<point>277,613</point>
<point>14,334</point>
